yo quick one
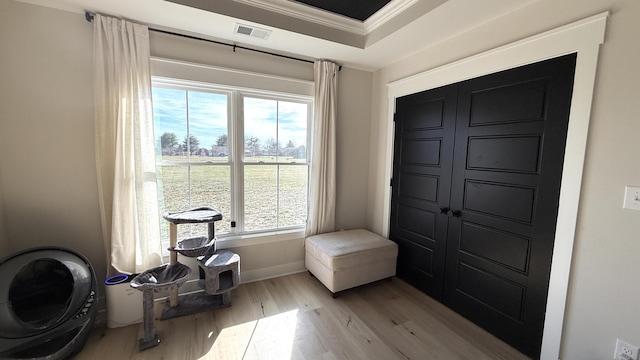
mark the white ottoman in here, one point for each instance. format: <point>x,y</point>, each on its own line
<point>346,259</point>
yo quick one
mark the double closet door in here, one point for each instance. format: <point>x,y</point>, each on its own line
<point>476,181</point>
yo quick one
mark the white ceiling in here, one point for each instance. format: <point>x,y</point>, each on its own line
<point>386,37</point>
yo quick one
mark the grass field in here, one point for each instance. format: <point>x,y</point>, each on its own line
<point>265,207</point>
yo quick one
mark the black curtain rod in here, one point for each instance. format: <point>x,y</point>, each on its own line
<point>89,17</point>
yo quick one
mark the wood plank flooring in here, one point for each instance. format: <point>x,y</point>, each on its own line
<point>294,317</point>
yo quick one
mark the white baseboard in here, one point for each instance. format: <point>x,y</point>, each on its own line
<point>248,276</point>
<point>272,272</point>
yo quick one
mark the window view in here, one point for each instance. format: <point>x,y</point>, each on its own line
<point>256,178</point>
<point>275,159</point>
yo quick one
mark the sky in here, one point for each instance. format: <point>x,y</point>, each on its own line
<point>208,113</point>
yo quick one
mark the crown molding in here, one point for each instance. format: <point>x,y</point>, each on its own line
<point>388,12</point>
<point>325,18</point>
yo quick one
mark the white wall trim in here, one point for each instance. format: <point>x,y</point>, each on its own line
<point>387,13</point>
<point>272,272</point>
<point>582,37</point>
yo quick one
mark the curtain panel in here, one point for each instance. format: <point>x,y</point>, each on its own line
<point>322,174</point>
<point>124,145</point>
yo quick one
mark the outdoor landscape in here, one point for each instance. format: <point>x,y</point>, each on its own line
<point>275,195</point>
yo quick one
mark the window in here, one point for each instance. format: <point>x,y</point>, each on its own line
<point>242,152</point>
<point>274,162</point>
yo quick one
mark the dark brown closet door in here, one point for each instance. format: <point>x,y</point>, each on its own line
<point>423,155</point>
<point>476,183</point>
<point>510,138</point>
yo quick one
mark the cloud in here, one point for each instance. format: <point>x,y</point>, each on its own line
<point>207,116</point>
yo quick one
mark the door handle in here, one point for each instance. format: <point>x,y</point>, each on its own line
<point>453,213</point>
<point>444,210</point>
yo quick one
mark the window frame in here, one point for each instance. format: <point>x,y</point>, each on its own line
<point>240,151</point>
<point>235,160</point>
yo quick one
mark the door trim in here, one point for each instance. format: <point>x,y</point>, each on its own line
<point>582,37</point>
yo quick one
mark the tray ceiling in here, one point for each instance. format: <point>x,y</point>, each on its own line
<point>354,9</point>
<point>399,28</point>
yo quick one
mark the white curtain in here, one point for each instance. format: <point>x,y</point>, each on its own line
<point>322,175</point>
<point>125,158</point>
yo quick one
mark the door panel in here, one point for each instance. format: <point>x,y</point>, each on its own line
<point>505,200</point>
<point>477,170</point>
<point>416,268</point>
<point>420,113</point>
<point>480,285</point>
<point>421,152</point>
<point>486,153</point>
<point>418,222</point>
<point>501,247</point>
<point>418,186</point>
<point>508,103</point>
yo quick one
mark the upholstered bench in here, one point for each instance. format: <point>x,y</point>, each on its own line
<point>346,259</point>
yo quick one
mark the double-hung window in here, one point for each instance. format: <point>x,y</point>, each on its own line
<point>241,151</point>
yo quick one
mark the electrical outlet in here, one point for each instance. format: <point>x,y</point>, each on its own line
<point>632,198</point>
<point>625,351</point>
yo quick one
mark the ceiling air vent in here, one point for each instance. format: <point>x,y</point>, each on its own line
<point>252,31</point>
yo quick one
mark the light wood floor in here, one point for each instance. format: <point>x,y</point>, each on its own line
<point>294,317</point>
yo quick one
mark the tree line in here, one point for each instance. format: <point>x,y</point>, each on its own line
<point>170,145</point>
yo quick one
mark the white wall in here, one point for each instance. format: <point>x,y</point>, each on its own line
<point>48,179</point>
<point>606,246</point>
<point>352,143</point>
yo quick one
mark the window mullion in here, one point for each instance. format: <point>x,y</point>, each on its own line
<point>278,195</point>
<point>277,166</point>
<point>237,126</point>
<point>189,197</point>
